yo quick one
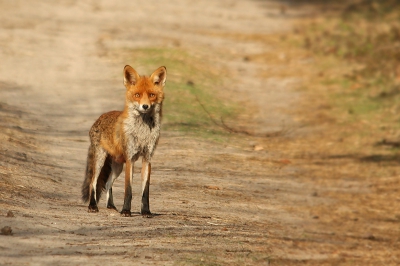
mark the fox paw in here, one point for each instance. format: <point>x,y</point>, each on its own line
<point>93,208</point>
<point>146,213</point>
<point>126,213</point>
<point>112,207</point>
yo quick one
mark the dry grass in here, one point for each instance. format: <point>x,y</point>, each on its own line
<point>349,64</point>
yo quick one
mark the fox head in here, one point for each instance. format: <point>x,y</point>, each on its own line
<point>144,94</point>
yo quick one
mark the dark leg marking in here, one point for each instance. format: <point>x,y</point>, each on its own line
<point>145,209</point>
<point>110,203</point>
<point>126,209</point>
<point>92,204</point>
<point>146,171</point>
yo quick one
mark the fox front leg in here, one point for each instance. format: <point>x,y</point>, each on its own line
<point>126,209</point>
<point>98,161</point>
<point>146,170</point>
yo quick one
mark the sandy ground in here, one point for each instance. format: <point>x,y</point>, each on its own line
<point>212,204</point>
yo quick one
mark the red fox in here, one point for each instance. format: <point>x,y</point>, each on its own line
<point>119,137</point>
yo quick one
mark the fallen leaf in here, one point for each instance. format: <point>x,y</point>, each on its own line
<point>258,148</point>
<point>284,161</point>
<point>212,187</point>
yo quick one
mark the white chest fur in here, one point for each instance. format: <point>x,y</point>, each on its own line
<point>142,132</point>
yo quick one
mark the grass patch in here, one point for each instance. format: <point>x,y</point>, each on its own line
<point>364,39</point>
<point>192,92</point>
<point>348,60</point>
<point>349,66</point>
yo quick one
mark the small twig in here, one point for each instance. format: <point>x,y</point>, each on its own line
<point>205,110</point>
<point>230,129</point>
<point>214,223</point>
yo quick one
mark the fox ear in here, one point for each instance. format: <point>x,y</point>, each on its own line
<point>159,76</point>
<point>130,76</point>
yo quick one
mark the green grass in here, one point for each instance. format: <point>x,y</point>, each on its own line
<point>192,92</point>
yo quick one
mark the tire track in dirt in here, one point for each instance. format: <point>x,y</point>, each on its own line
<point>225,207</point>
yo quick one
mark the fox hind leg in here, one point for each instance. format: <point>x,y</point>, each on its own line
<point>98,163</point>
<point>116,169</point>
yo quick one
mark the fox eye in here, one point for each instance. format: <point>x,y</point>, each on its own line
<point>152,95</point>
<point>137,95</point>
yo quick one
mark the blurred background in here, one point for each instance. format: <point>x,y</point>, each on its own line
<point>280,139</point>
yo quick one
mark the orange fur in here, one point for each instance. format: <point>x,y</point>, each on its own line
<point>125,135</point>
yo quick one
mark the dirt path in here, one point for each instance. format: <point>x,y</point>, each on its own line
<point>228,206</point>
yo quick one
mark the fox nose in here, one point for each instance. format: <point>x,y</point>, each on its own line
<point>145,106</point>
